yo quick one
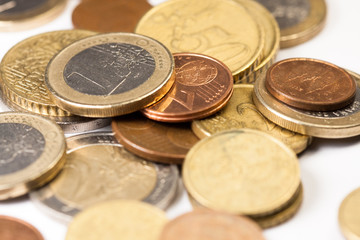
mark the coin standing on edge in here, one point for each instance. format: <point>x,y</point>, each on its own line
<point>98,168</point>
<point>203,85</point>
<point>348,216</point>
<point>110,74</point>
<point>17,229</point>
<point>32,151</point>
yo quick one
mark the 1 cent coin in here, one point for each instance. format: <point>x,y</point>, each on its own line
<point>310,84</point>
<point>13,228</point>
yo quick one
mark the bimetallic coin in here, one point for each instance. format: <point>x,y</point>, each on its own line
<point>349,216</point>
<point>110,74</point>
<point>125,220</point>
<point>32,152</point>
<point>230,35</point>
<point>203,85</point>
<point>211,225</point>
<point>155,141</point>
<point>310,84</point>
<point>13,229</point>
<point>98,169</point>
<point>240,112</point>
<point>341,123</point>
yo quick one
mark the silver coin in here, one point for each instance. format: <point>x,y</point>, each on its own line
<point>98,169</point>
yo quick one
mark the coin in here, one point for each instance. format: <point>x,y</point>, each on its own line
<point>203,85</point>
<point>17,15</point>
<point>222,29</point>
<point>159,142</point>
<point>110,74</point>
<point>103,16</point>
<point>125,220</point>
<point>348,216</point>
<point>98,169</point>
<point>240,112</point>
<point>341,123</point>
<point>241,172</point>
<point>299,20</point>
<point>13,229</point>
<point>211,225</point>
<point>32,152</point>
<point>310,84</point>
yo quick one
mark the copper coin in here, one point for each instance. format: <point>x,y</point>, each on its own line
<point>13,229</point>
<point>203,85</point>
<point>155,141</point>
<point>310,84</point>
<point>210,225</point>
<point>109,15</point>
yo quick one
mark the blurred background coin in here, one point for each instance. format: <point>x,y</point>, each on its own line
<point>17,229</point>
<point>349,215</point>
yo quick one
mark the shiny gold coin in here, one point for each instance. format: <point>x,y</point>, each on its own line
<point>240,112</point>
<point>349,216</point>
<point>222,29</point>
<point>114,220</point>
<point>242,172</point>
<point>32,152</point>
<point>110,74</point>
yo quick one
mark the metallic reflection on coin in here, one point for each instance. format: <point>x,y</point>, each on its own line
<point>98,168</point>
<point>348,216</point>
<point>17,229</point>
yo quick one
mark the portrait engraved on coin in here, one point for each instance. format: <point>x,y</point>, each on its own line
<point>10,7</point>
<point>20,146</point>
<point>109,69</point>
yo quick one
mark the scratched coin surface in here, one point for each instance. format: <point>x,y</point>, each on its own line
<point>310,84</point>
<point>230,35</point>
<point>110,74</point>
<point>32,152</point>
<point>98,169</point>
<point>17,229</point>
<point>349,215</point>
<point>16,15</point>
<point>109,15</point>
<point>240,112</point>
<point>203,85</point>
<point>341,123</point>
<point>211,225</point>
<point>241,172</point>
<point>155,141</point>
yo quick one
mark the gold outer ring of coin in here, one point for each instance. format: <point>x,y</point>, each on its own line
<point>348,216</point>
<point>109,105</point>
<point>32,19</point>
<point>342,123</point>
<point>45,167</point>
<point>308,28</point>
<point>121,219</point>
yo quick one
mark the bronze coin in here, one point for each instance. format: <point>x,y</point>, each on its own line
<point>310,84</point>
<point>109,15</point>
<point>203,85</point>
<point>211,225</point>
<point>155,141</point>
<point>13,229</point>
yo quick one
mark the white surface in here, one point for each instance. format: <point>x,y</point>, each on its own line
<point>330,168</point>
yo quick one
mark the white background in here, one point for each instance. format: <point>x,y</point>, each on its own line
<point>330,168</point>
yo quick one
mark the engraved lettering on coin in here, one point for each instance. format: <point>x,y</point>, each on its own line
<point>109,69</point>
<point>20,146</point>
<point>196,73</point>
<point>19,6</point>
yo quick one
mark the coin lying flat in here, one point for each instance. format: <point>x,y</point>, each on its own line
<point>125,220</point>
<point>32,152</point>
<point>13,229</point>
<point>100,169</point>
<point>211,225</point>
<point>348,216</point>
<point>110,74</point>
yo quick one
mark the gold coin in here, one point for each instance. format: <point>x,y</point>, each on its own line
<point>349,216</point>
<point>240,112</point>
<point>222,29</point>
<point>18,15</point>
<point>110,74</point>
<point>114,220</point>
<point>341,123</point>
<point>242,172</point>
<point>32,152</point>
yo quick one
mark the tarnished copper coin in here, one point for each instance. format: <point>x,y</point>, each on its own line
<point>155,141</point>
<point>13,229</point>
<point>203,85</point>
<point>109,15</point>
<point>310,84</point>
<point>210,225</point>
